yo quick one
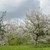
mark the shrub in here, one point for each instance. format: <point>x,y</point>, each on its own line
<point>18,41</point>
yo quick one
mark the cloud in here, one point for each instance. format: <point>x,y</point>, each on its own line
<point>13,21</point>
<point>43,2</point>
<point>17,8</point>
<point>10,4</point>
<point>45,6</point>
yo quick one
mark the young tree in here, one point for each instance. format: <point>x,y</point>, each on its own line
<point>2,31</point>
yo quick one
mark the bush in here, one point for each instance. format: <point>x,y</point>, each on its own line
<point>12,41</point>
<point>18,41</point>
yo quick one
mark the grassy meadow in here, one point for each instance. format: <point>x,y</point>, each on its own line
<point>23,47</point>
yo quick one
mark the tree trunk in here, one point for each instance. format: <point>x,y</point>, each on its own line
<point>36,41</point>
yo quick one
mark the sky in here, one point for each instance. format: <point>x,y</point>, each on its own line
<point>45,6</point>
<point>18,8</point>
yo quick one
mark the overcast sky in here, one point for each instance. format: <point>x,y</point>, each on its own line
<point>45,6</point>
<point>18,8</point>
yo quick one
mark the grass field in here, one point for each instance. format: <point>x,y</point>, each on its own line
<point>22,47</point>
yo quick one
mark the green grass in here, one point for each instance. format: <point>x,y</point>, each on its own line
<point>22,47</point>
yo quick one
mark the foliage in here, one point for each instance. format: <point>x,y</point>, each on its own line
<point>2,31</point>
<point>36,25</point>
<point>18,41</point>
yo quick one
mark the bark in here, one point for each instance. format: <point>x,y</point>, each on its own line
<point>36,41</point>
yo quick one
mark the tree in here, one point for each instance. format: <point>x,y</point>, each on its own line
<point>2,31</point>
<point>36,24</point>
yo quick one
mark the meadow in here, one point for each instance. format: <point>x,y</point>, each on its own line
<point>23,47</point>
